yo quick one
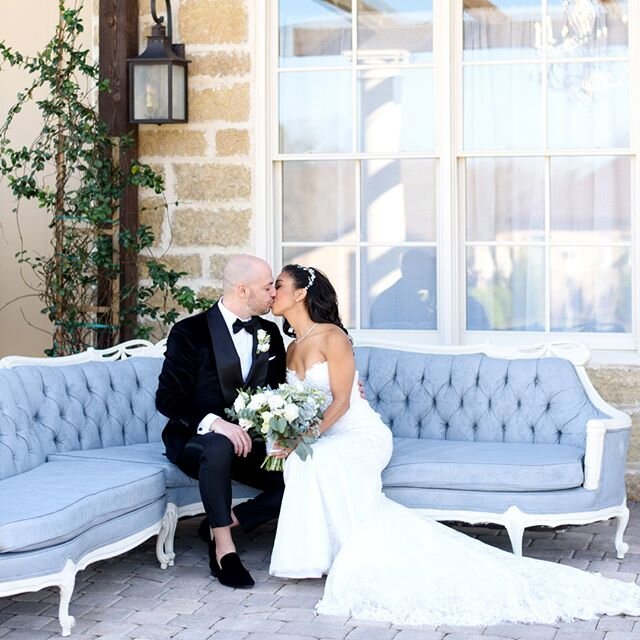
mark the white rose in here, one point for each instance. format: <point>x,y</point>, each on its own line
<point>266,417</point>
<point>275,403</point>
<point>245,424</point>
<point>291,412</point>
<point>257,401</point>
<point>239,404</point>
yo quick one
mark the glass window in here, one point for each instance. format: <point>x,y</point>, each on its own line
<point>487,164</point>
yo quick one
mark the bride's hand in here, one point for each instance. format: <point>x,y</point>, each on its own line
<point>280,452</point>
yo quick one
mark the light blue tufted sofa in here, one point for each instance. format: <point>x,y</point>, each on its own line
<point>83,474</point>
<point>480,435</point>
<point>518,438</point>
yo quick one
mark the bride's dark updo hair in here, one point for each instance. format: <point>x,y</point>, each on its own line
<point>321,300</point>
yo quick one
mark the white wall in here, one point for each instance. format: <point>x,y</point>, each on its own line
<point>26,25</point>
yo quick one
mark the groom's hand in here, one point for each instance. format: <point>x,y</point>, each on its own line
<point>240,439</point>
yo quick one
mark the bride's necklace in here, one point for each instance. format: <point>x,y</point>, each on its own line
<point>299,340</point>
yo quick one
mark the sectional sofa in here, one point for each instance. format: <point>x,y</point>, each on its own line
<point>480,435</point>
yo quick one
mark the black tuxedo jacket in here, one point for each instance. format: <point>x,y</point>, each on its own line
<point>201,374</point>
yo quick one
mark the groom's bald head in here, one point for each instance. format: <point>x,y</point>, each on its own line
<point>247,285</point>
<point>243,269</point>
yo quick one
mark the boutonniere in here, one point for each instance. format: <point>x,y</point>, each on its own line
<point>264,341</point>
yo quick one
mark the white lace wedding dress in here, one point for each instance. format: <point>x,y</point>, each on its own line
<point>385,562</point>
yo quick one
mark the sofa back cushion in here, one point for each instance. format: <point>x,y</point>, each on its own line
<point>476,397</point>
<point>49,409</point>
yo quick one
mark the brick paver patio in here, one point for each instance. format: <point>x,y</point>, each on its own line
<point>130,597</point>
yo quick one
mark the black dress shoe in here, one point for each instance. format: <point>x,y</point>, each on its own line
<point>231,572</point>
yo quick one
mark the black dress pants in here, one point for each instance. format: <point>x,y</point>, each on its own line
<point>211,460</point>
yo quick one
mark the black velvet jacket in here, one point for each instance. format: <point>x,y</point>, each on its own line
<point>201,374</point>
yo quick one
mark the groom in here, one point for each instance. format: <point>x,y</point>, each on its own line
<point>208,357</point>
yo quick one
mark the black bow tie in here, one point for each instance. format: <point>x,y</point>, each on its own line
<point>250,325</point>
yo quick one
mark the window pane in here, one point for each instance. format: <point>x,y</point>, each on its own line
<point>403,28</point>
<point>399,288</point>
<point>399,200</point>
<point>314,33</point>
<point>588,105</point>
<point>396,110</point>
<point>339,265</point>
<point>505,199</point>
<point>318,201</point>
<point>591,289</point>
<point>503,107</point>
<point>596,28</point>
<point>502,29</point>
<point>590,196</point>
<point>315,111</point>
<point>505,288</point>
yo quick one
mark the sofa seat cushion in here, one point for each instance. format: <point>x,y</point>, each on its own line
<point>147,453</point>
<point>59,500</point>
<point>483,466</point>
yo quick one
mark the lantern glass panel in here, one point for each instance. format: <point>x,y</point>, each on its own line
<point>179,92</point>
<point>151,89</point>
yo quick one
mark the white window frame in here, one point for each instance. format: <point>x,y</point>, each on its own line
<point>448,75</point>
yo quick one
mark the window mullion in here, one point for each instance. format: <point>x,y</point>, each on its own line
<point>447,17</point>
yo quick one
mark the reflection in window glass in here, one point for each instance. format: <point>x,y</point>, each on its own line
<point>398,200</point>
<point>399,288</point>
<point>502,29</point>
<point>307,120</point>
<point>588,105</point>
<point>596,28</point>
<point>389,119</point>
<point>505,288</point>
<point>338,264</point>
<point>404,27</point>
<point>314,33</point>
<point>591,289</point>
<point>505,199</point>
<point>590,199</point>
<point>503,107</point>
<point>318,201</point>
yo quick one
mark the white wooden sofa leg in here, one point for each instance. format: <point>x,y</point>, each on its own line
<point>164,543</point>
<point>621,546</point>
<point>66,591</point>
<point>514,525</point>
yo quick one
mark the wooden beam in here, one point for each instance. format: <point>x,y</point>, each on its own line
<point>118,33</point>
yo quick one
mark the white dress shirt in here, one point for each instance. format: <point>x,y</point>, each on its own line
<point>243,342</point>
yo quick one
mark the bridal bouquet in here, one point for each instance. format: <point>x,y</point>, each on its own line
<point>286,417</point>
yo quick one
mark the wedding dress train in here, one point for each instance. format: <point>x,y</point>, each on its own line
<point>385,562</point>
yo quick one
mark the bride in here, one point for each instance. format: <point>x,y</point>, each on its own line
<point>384,561</point>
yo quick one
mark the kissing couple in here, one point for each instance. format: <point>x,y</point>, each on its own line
<point>383,561</point>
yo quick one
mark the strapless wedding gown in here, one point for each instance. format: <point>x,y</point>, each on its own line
<point>385,562</point>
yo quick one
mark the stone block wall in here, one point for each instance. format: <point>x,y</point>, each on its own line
<point>207,163</point>
<point>620,386</point>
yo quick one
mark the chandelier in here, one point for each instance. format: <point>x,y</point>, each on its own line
<point>578,32</point>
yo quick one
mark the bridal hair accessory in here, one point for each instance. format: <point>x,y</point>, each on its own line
<point>312,276</point>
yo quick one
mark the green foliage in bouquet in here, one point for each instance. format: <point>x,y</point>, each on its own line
<point>286,417</point>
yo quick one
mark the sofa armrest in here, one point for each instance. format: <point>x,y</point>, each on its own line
<point>597,429</point>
